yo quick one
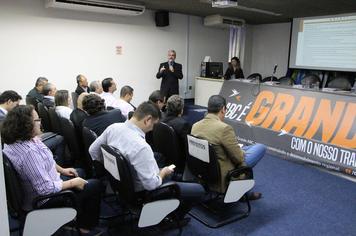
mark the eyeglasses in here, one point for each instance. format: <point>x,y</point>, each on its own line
<point>37,120</point>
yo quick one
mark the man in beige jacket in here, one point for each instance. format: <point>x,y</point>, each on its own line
<point>223,138</point>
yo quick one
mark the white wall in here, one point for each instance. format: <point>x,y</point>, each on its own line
<point>59,44</point>
<point>270,46</point>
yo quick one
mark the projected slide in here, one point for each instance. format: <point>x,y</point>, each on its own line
<point>325,43</point>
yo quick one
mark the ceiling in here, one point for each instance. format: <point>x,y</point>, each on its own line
<point>287,8</point>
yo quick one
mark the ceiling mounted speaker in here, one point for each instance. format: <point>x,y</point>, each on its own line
<point>162,18</point>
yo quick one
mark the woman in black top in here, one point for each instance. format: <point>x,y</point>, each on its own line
<point>234,70</point>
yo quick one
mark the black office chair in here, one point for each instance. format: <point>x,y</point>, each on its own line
<point>151,206</point>
<point>43,114</point>
<point>286,81</point>
<point>340,83</point>
<point>269,78</point>
<point>310,79</point>
<point>54,119</point>
<point>30,223</point>
<point>255,77</point>
<point>220,210</point>
<point>76,151</point>
<point>88,138</point>
<point>74,99</point>
<point>165,141</point>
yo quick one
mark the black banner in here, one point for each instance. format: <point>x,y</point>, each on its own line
<point>305,125</point>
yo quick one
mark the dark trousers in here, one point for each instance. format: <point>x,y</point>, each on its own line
<point>87,202</point>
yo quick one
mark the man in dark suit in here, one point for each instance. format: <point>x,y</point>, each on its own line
<point>49,90</point>
<point>8,100</point>
<point>170,72</point>
<point>181,127</point>
<point>82,85</point>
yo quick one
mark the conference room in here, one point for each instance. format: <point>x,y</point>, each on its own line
<point>180,117</point>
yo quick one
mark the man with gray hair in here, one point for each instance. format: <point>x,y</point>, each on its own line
<point>95,87</point>
<point>170,72</point>
<point>173,118</point>
<point>36,94</point>
<point>49,90</point>
<point>223,138</point>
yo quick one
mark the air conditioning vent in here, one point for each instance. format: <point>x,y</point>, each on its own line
<point>222,21</point>
<point>107,7</point>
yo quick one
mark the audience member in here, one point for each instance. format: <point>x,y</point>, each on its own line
<point>99,118</point>
<point>109,87</point>
<point>223,138</point>
<point>129,138</point>
<point>82,85</point>
<point>157,98</point>
<point>96,87</point>
<point>124,104</point>
<point>49,90</point>
<point>173,118</point>
<point>62,100</point>
<point>37,92</point>
<point>38,172</point>
<point>78,115</point>
<point>9,99</point>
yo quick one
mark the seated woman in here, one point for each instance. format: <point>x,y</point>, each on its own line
<point>234,70</point>
<point>62,100</point>
<point>38,172</point>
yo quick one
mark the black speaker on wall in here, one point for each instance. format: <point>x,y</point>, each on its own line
<point>162,18</point>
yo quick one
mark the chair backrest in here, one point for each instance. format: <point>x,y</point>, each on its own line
<point>70,137</point>
<point>32,101</point>
<point>285,80</point>
<point>165,141</point>
<point>54,119</point>
<point>43,113</point>
<point>340,83</point>
<point>202,161</point>
<point>14,191</point>
<point>269,78</point>
<point>88,138</point>
<point>310,79</point>
<point>119,168</point>
<point>74,99</point>
<point>255,77</point>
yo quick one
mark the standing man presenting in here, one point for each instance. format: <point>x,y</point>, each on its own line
<point>170,72</point>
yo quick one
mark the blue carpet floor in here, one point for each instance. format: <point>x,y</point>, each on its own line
<point>297,200</point>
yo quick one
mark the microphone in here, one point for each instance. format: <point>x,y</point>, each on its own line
<point>275,68</point>
<point>170,63</point>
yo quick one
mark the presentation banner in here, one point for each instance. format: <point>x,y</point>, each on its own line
<point>304,125</point>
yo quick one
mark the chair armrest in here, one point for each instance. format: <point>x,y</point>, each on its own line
<point>236,173</point>
<point>67,196</point>
<point>165,191</point>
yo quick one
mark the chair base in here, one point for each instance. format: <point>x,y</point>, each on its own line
<point>216,213</point>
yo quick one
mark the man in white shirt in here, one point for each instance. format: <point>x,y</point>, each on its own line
<point>8,100</point>
<point>129,138</point>
<point>126,95</point>
<point>109,87</point>
<point>95,87</point>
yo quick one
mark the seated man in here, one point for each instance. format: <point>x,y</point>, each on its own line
<point>36,94</point>
<point>99,118</point>
<point>109,87</point>
<point>8,100</point>
<point>126,94</point>
<point>95,87</point>
<point>78,115</point>
<point>223,138</point>
<point>173,118</point>
<point>157,98</point>
<point>129,138</point>
<point>49,91</point>
<point>82,85</point>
